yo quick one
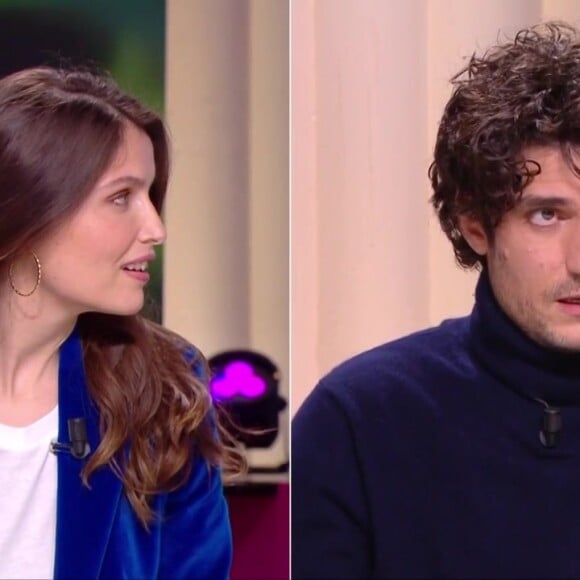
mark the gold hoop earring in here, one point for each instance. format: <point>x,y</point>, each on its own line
<point>38,277</point>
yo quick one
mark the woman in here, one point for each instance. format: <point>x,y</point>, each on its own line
<point>132,486</point>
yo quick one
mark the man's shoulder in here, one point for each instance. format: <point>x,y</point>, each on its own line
<point>408,366</point>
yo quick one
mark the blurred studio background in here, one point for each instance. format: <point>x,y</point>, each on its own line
<point>218,72</point>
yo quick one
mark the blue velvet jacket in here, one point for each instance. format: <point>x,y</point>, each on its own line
<point>97,532</point>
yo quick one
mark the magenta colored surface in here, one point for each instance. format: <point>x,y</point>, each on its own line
<point>260,526</point>
<point>238,378</point>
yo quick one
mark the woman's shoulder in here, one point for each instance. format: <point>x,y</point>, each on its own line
<point>167,339</point>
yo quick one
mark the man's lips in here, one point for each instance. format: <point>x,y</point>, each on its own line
<point>570,305</point>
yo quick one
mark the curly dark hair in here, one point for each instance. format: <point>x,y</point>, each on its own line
<point>521,93</point>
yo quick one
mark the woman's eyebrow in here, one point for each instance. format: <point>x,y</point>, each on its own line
<point>125,180</point>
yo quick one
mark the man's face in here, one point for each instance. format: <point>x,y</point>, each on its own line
<point>534,259</point>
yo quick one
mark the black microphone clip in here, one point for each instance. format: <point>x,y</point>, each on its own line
<point>550,432</point>
<point>79,446</point>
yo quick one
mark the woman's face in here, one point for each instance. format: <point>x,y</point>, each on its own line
<point>98,260</point>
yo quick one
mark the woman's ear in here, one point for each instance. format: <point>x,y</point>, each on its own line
<point>474,234</point>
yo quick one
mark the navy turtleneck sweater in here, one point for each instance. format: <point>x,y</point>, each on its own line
<point>422,458</point>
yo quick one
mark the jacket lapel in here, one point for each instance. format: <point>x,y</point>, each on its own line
<point>84,516</point>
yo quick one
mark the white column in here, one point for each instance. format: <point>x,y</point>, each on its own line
<point>269,199</point>
<point>268,180</point>
<point>304,202</point>
<point>372,220</point>
<point>456,30</point>
<point>206,264</point>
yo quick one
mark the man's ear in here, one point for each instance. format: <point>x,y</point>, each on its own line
<point>474,234</point>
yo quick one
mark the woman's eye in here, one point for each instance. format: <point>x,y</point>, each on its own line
<point>121,198</point>
<point>544,217</point>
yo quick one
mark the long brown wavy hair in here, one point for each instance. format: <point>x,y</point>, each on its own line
<point>520,93</point>
<point>59,130</point>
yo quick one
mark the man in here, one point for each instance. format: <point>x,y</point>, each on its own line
<point>455,452</point>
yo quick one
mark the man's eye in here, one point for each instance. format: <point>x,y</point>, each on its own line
<point>544,217</point>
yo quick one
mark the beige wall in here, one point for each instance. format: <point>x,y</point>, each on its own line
<point>226,257</point>
<point>369,82</point>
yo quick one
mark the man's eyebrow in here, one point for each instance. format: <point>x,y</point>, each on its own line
<point>124,180</point>
<point>535,201</point>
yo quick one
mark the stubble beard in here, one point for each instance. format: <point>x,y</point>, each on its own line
<point>535,323</point>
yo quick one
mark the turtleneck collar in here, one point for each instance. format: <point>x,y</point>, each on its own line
<point>518,362</point>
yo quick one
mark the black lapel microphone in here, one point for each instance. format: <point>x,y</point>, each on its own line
<point>552,425</point>
<point>79,446</point>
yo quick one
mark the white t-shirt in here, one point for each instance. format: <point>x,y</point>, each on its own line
<point>28,479</point>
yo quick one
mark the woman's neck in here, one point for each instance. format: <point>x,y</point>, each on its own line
<point>29,350</point>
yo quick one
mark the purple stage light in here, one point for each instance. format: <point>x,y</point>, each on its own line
<point>238,378</point>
